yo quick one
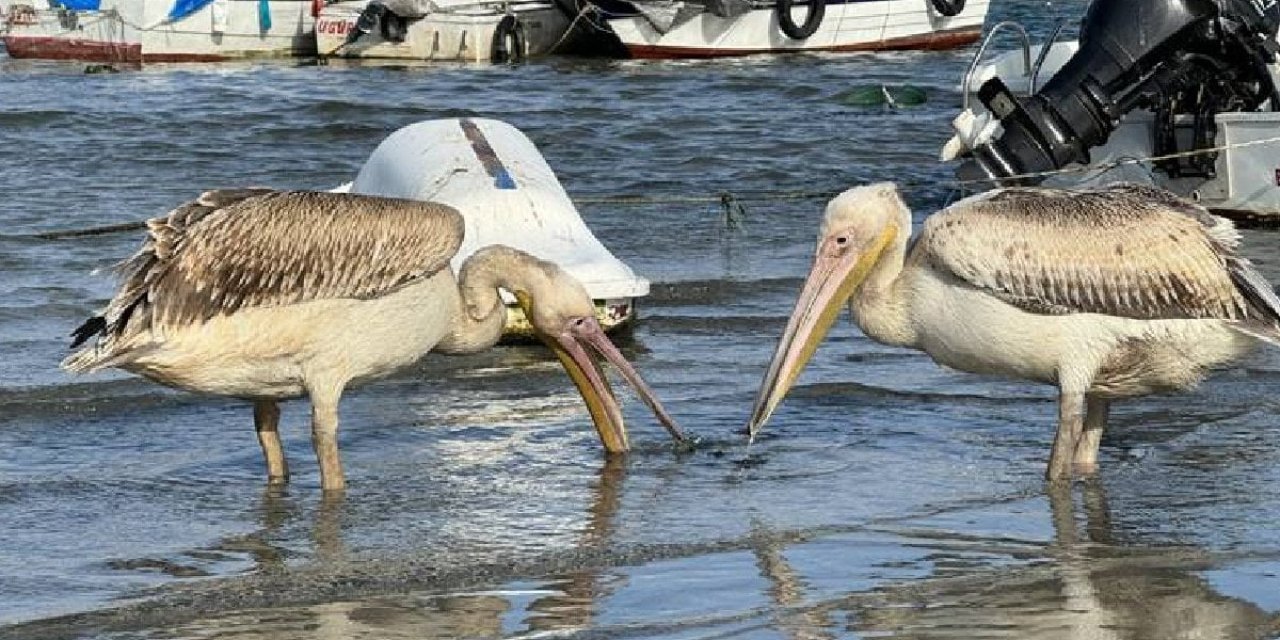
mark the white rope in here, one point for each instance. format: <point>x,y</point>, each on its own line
<point>586,8</point>
<point>1107,166</point>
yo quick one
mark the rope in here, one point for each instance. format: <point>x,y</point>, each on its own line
<point>1120,163</point>
<point>586,8</point>
<point>723,199</point>
<point>91,231</point>
<point>731,204</point>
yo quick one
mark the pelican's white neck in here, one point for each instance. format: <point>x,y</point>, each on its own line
<point>879,304</point>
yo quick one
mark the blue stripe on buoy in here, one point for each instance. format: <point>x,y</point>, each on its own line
<point>488,158</point>
<point>503,179</point>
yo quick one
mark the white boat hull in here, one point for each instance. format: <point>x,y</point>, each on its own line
<point>463,33</point>
<point>507,194</point>
<point>134,31</point>
<point>857,25</point>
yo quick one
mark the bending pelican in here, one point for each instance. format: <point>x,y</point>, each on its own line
<point>1110,293</point>
<point>265,295</point>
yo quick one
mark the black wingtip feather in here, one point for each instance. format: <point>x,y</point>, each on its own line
<point>91,327</point>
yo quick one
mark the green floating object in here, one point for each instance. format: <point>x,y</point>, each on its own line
<point>101,68</point>
<point>881,94</point>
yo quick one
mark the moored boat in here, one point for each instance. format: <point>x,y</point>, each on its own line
<point>508,194</point>
<point>713,28</point>
<point>459,30</point>
<point>135,31</point>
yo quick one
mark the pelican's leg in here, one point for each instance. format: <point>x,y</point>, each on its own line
<point>1070,424</point>
<point>266,419</point>
<point>324,434</point>
<point>1095,421</point>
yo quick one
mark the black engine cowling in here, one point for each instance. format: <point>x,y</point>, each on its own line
<point>1170,56</point>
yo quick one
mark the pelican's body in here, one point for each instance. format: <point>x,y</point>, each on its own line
<point>271,352</point>
<point>1110,293</point>
<point>970,330</point>
<point>268,295</point>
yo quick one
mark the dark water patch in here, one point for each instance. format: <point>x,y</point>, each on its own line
<point>875,357</point>
<point>326,110</point>
<point>38,118</point>
<point>717,292</point>
<point>834,391</point>
<point>712,325</point>
<point>649,135</point>
<point>320,133</point>
<point>167,567</point>
<point>88,399</point>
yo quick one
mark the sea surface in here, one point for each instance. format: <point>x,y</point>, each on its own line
<point>887,498</point>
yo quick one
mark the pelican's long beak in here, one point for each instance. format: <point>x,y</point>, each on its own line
<point>574,346</point>
<point>837,271</point>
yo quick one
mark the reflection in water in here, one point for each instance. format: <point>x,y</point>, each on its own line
<point>574,606</point>
<point>568,604</point>
<point>327,532</point>
<point>275,511</point>
<point>1089,589</point>
<point>786,591</point>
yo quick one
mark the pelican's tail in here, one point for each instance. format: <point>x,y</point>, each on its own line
<point>106,350</point>
<point>104,355</point>
<point>86,360</point>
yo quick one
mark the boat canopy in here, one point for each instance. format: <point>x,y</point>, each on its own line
<point>180,9</point>
<point>184,8</point>
<point>665,15</point>
<point>78,5</point>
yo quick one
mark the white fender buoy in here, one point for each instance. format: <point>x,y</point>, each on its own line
<point>507,193</point>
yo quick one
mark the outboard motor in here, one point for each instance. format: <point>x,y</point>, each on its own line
<point>1174,57</point>
<point>378,14</point>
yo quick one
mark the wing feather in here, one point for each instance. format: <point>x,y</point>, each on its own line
<point>229,250</point>
<point>1125,250</point>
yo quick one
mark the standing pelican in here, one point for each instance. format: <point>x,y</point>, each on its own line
<point>1109,293</point>
<point>265,295</point>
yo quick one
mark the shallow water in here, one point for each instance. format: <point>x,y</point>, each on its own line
<point>887,498</point>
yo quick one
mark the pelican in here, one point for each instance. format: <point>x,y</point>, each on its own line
<point>266,295</point>
<point>1110,293</point>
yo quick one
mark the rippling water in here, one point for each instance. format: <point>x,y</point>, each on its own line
<point>888,497</point>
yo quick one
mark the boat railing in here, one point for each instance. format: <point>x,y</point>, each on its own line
<point>982,48</point>
<point>504,6</point>
<point>1044,53</point>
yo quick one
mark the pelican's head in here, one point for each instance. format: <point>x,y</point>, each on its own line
<point>563,316</point>
<point>860,224</point>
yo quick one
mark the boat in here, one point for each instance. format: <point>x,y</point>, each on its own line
<point>1190,105</point>
<point>715,28</point>
<point>137,31</point>
<point>507,194</point>
<point>456,30</point>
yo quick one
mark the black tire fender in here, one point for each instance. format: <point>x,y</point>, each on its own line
<point>812,19</point>
<point>508,41</point>
<point>948,8</point>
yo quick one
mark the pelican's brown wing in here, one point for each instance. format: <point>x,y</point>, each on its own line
<point>229,250</point>
<point>1124,250</point>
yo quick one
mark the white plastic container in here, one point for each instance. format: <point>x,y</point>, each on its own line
<point>1251,173</point>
